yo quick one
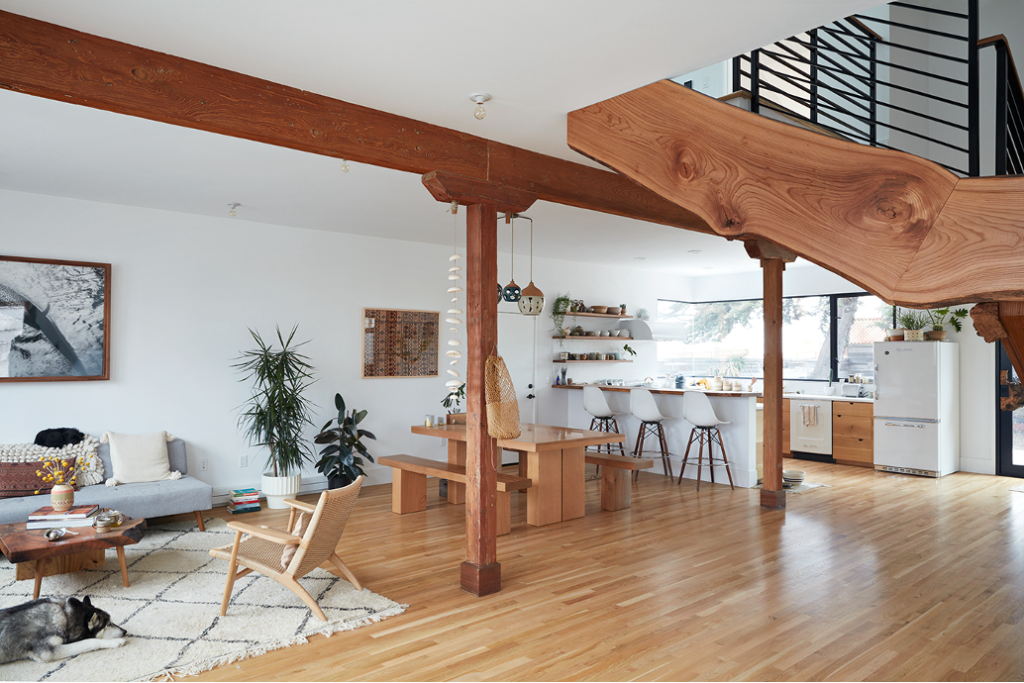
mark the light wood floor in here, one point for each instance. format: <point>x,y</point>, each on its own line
<point>880,577</point>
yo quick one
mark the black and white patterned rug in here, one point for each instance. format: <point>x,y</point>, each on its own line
<point>172,609</point>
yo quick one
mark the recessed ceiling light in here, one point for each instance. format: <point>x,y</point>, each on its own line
<point>693,251</point>
<point>640,258</point>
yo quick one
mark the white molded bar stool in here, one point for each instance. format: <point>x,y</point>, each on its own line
<point>643,407</point>
<point>595,403</point>
<point>697,411</point>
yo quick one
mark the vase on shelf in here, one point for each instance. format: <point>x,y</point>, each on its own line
<point>62,497</point>
<point>716,383</point>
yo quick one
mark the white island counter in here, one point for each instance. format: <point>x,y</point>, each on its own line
<point>741,437</point>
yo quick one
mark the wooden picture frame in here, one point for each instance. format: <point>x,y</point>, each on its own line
<point>400,343</point>
<point>54,320</point>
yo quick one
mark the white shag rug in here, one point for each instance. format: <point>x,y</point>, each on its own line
<point>172,609</point>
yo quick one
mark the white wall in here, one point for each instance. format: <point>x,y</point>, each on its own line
<point>977,358</point>
<point>186,287</point>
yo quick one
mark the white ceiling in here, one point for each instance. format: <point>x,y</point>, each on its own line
<point>539,60</point>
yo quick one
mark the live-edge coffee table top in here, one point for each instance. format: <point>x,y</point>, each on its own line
<point>533,438</point>
<point>22,545</point>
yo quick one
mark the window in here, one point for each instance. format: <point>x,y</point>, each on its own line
<point>728,336</point>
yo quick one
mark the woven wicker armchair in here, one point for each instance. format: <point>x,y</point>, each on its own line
<point>261,552</point>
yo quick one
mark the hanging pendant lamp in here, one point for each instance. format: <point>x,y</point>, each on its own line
<point>512,293</point>
<point>532,300</point>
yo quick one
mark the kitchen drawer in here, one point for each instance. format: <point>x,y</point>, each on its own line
<point>853,409</point>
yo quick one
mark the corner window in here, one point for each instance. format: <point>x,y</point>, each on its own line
<point>821,335</point>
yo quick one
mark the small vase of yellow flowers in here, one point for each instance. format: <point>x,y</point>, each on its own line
<point>60,473</point>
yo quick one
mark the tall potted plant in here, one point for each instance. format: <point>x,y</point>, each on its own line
<point>277,411</point>
<point>338,460</point>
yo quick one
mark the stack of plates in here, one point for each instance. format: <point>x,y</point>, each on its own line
<point>792,478</point>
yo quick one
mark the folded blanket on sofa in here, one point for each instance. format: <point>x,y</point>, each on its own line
<point>88,467</point>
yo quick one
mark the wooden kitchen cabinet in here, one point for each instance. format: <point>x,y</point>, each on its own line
<point>853,430</point>
<point>785,427</point>
<point>786,453</point>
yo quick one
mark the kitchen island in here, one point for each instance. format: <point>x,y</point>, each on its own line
<point>740,436</point>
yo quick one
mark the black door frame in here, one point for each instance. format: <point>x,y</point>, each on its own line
<point>1004,420</point>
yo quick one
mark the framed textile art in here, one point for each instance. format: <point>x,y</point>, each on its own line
<point>54,320</point>
<point>400,343</point>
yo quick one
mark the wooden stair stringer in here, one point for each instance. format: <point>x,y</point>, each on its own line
<point>898,225</point>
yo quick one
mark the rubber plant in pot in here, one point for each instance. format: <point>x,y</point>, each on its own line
<point>339,461</point>
<point>277,412</point>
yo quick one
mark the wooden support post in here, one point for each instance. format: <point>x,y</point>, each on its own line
<point>481,572</point>
<point>773,262</point>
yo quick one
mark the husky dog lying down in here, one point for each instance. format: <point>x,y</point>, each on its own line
<point>53,628</point>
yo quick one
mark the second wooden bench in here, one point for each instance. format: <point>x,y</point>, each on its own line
<point>616,473</point>
<point>409,485</point>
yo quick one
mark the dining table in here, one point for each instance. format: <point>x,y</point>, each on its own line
<point>554,462</point>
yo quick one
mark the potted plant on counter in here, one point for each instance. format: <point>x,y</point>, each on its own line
<point>913,322</point>
<point>277,412</point>
<point>339,461</point>
<point>942,317</point>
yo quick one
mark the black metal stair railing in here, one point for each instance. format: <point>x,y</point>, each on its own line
<point>853,81</point>
<point>1009,110</point>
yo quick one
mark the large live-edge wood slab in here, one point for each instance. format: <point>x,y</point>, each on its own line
<point>900,226</point>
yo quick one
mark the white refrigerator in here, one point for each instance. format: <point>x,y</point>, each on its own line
<point>917,407</point>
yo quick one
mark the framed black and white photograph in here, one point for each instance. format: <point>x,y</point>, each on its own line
<point>54,320</point>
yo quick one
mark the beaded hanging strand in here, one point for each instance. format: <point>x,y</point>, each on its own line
<point>454,275</point>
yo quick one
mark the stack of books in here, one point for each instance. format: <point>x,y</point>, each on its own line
<point>48,518</point>
<point>244,500</point>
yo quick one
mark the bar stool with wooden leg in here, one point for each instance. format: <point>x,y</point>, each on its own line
<point>643,408</point>
<point>602,417</point>
<point>595,403</point>
<point>697,411</point>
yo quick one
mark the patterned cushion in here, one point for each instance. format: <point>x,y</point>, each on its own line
<point>20,479</point>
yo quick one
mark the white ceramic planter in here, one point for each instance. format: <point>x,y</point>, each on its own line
<point>276,489</point>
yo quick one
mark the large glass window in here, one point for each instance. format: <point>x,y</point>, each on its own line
<point>821,335</point>
<point>860,322</point>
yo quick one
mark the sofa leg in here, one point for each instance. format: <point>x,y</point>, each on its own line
<point>199,520</point>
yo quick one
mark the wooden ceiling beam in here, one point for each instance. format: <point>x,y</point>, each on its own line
<point>58,63</point>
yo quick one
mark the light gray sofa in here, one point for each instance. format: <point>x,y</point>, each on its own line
<point>150,499</point>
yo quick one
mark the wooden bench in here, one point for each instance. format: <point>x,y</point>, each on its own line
<point>409,485</point>
<point>616,488</point>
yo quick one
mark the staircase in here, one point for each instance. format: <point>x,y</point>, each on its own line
<point>902,214</point>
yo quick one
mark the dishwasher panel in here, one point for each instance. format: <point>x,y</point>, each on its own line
<point>811,439</point>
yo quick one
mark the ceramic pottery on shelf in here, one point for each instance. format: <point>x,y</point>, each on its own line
<point>62,497</point>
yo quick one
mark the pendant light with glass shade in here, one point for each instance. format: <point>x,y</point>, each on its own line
<point>532,300</point>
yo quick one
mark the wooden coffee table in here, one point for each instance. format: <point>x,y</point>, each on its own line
<point>36,557</point>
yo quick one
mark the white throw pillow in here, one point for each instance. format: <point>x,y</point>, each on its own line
<point>138,458</point>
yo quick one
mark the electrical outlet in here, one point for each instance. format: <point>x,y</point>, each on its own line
<point>243,461</point>
<point>202,465</point>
